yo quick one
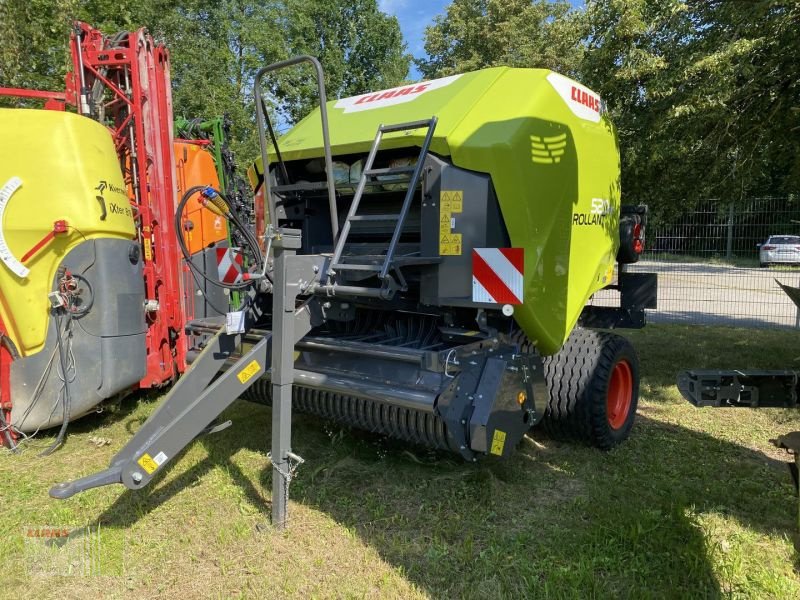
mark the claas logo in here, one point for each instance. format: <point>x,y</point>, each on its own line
<point>585,98</point>
<point>548,150</point>
<point>403,91</point>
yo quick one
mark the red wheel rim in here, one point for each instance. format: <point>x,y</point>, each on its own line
<point>620,394</point>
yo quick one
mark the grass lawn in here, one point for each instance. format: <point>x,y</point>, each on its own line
<point>696,504</point>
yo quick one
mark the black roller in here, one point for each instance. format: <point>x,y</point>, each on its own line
<point>407,424</point>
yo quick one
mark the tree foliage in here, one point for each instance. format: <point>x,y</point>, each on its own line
<point>473,34</point>
<point>705,93</point>
<point>216,46</point>
<point>702,92</point>
<point>361,48</point>
<point>28,55</point>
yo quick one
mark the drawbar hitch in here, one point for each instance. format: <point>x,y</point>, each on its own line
<point>199,396</point>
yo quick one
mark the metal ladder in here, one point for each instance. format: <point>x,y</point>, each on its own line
<point>383,269</point>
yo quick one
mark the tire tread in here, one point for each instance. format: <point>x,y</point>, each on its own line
<point>577,379</point>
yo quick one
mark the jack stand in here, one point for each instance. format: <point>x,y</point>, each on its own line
<point>284,295</point>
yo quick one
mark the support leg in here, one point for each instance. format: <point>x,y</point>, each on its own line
<point>283,317</point>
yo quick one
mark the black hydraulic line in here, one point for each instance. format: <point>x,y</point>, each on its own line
<point>231,216</point>
<point>7,432</point>
<point>10,346</point>
<point>205,297</point>
<point>274,138</point>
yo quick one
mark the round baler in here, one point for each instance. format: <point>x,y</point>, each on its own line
<point>428,255</point>
<point>514,225</point>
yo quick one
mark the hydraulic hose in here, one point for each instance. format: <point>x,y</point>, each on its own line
<point>12,350</point>
<point>218,203</point>
<point>7,432</point>
<point>10,346</point>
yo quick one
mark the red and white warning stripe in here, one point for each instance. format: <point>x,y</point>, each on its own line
<point>497,275</point>
<point>229,265</point>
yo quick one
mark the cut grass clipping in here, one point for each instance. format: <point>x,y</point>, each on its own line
<point>697,503</point>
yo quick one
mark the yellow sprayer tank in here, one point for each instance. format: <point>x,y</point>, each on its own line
<point>65,217</point>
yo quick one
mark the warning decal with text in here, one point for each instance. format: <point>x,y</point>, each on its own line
<point>451,202</point>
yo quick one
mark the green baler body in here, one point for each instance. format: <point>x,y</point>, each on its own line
<point>553,159</point>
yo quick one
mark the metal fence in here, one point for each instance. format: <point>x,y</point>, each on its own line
<point>708,265</point>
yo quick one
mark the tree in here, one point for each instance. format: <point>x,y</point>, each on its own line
<point>474,34</point>
<point>704,93</point>
<point>633,50</point>
<point>360,48</point>
<point>216,46</point>
<point>701,92</point>
<point>33,52</point>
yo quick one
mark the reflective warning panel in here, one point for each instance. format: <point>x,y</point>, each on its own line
<point>229,265</point>
<point>497,275</point>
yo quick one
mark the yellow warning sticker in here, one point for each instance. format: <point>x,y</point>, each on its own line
<point>450,244</point>
<point>445,223</point>
<point>247,373</point>
<point>498,441</point>
<point>452,201</point>
<point>148,249</point>
<point>147,463</point>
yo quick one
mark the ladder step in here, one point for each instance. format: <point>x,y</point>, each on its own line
<point>349,267</point>
<point>405,175</point>
<point>390,171</point>
<point>405,126</point>
<point>374,218</point>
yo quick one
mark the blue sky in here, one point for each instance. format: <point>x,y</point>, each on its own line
<point>414,16</point>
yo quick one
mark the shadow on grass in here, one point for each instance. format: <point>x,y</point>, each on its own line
<point>556,519</point>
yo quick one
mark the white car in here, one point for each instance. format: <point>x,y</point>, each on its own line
<point>784,249</point>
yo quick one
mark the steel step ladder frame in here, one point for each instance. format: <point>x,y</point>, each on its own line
<point>336,264</point>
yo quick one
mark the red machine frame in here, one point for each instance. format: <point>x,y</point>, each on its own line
<point>124,81</point>
<point>5,384</point>
<point>52,100</point>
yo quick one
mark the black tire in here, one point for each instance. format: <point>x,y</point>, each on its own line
<point>579,379</point>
